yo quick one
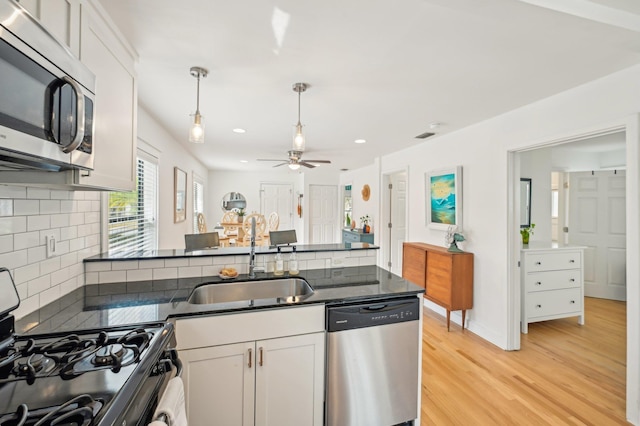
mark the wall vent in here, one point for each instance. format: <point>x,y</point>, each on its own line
<point>425,135</point>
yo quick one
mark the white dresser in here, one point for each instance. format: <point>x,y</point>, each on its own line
<point>552,283</point>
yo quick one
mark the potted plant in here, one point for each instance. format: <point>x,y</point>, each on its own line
<point>526,232</point>
<point>365,223</point>
<point>241,214</point>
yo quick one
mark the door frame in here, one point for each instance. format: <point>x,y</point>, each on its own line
<point>383,242</point>
<point>631,126</point>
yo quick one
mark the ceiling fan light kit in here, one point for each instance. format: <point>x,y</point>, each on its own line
<point>196,131</point>
<point>295,154</point>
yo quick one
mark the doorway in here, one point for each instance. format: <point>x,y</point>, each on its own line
<point>323,205</point>
<point>278,197</point>
<point>394,215</point>
<point>631,127</point>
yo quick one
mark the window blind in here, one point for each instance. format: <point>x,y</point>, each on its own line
<point>132,215</point>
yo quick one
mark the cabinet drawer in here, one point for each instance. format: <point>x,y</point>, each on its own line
<point>553,280</point>
<point>349,237</point>
<point>556,302</point>
<point>552,261</point>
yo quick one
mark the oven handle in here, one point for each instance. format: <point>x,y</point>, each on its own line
<point>172,355</point>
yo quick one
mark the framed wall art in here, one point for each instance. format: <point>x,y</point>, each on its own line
<point>179,195</point>
<point>444,198</point>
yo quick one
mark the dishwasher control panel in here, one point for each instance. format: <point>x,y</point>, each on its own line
<point>372,314</point>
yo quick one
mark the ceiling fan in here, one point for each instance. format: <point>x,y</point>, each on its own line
<point>295,161</point>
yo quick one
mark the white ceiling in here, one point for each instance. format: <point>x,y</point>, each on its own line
<point>378,70</point>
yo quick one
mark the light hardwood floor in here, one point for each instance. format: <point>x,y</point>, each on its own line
<point>565,374</point>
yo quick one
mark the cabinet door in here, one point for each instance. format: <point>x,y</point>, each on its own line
<point>290,381</point>
<point>60,17</point>
<point>414,262</point>
<point>439,271</point>
<point>115,109</point>
<point>219,384</point>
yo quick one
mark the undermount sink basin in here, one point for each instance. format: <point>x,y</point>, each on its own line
<point>286,290</point>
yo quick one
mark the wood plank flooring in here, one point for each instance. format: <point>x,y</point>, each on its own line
<point>565,374</point>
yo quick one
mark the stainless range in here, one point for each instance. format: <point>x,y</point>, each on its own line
<point>91,377</point>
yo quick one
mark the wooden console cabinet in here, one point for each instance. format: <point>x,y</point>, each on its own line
<point>447,277</point>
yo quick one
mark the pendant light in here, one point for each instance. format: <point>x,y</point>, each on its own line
<point>298,138</point>
<point>196,132</point>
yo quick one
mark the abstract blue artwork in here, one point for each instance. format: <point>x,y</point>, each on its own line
<point>444,198</point>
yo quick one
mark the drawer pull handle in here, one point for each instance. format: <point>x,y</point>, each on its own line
<point>572,280</point>
<point>261,360</point>
<point>250,358</point>
<point>538,306</point>
<point>538,263</point>
<point>572,261</point>
<point>538,283</point>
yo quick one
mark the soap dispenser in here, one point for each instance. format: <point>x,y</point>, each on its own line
<point>279,264</point>
<point>293,263</point>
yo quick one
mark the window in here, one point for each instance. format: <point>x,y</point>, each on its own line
<point>198,200</point>
<point>132,215</point>
<point>554,203</point>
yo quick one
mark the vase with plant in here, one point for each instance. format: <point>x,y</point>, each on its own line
<point>241,214</point>
<point>526,232</point>
<point>365,223</point>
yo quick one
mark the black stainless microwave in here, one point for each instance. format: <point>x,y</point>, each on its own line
<point>47,98</point>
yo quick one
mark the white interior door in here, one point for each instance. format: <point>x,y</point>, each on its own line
<point>324,214</point>
<point>397,216</point>
<point>597,220</point>
<point>278,197</point>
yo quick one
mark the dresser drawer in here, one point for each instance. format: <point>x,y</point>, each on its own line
<point>349,237</point>
<point>552,280</point>
<point>556,302</point>
<point>552,261</point>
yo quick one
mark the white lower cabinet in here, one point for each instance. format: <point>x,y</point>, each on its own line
<point>275,381</point>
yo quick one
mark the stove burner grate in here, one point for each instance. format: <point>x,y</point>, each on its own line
<point>78,411</point>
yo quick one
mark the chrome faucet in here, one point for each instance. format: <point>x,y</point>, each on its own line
<point>252,254</point>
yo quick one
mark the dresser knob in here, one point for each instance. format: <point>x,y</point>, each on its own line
<point>538,306</point>
<point>538,283</point>
<point>572,261</point>
<point>572,280</point>
<point>572,302</point>
<point>538,263</point>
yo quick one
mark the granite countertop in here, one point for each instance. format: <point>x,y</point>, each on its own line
<point>108,305</point>
<point>226,251</point>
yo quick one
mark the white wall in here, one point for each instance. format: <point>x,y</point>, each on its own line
<point>536,165</point>
<point>369,175</point>
<point>171,154</point>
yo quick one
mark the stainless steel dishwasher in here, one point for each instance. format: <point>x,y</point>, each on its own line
<point>372,363</point>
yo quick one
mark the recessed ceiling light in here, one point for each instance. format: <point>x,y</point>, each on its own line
<point>239,130</point>
<point>244,161</point>
<point>360,141</point>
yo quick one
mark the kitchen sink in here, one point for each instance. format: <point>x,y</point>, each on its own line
<point>284,290</point>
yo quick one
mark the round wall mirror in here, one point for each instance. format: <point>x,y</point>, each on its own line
<point>233,200</point>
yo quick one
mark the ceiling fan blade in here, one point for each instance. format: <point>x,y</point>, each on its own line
<point>304,163</point>
<point>268,159</point>
<point>318,161</point>
<point>281,164</point>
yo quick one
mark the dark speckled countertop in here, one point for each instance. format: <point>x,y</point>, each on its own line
<point>107,305</point>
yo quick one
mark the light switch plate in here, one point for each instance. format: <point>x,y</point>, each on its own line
<point>50,244</point>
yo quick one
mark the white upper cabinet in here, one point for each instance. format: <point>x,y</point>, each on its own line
<point>60,17</point>
<point>112,60</point>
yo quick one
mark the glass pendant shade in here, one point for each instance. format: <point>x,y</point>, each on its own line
<point>196,132</point>
<point>298,139</point>
<point>294,166</point>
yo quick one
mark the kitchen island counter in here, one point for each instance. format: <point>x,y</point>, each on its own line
<point>114,304</point>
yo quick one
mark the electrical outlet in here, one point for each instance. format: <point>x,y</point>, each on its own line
<point>51,245</point>
<point>337,262</point>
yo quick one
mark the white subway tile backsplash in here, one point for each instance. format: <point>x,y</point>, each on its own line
<point>38,193</point>
<point>49,206</point>
<point>170,263</point>
<point>124,265</point>
<point>165,273</point>
<point>36,254</point>
<point>62,247</point>
<point>6,207</point>
<point>76,218</point>
<point>92,217</point>
<point>38,285</point>
<point>189,271</point>
<point>14,259</point>
<point>68,206</point>
<point>59,276</point>
<point>7,191</point>
<point>201,261</point>
<point>84,206</point>
<point>59,195</point>
<point>152,264</point>
<point>59,220</point>
<point>6,243</point>
<point>112,276</point>
<point>68,233</point>
<point>13,224</point>
<point>97,266</point>
<point>26,240</point>
<point>26,207</point>
<point>36,223</point>
<point>26,273</point>
<point>49,295</point>
<point>92,278</point>
<point>77,244</point>
<point>139,275</point>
